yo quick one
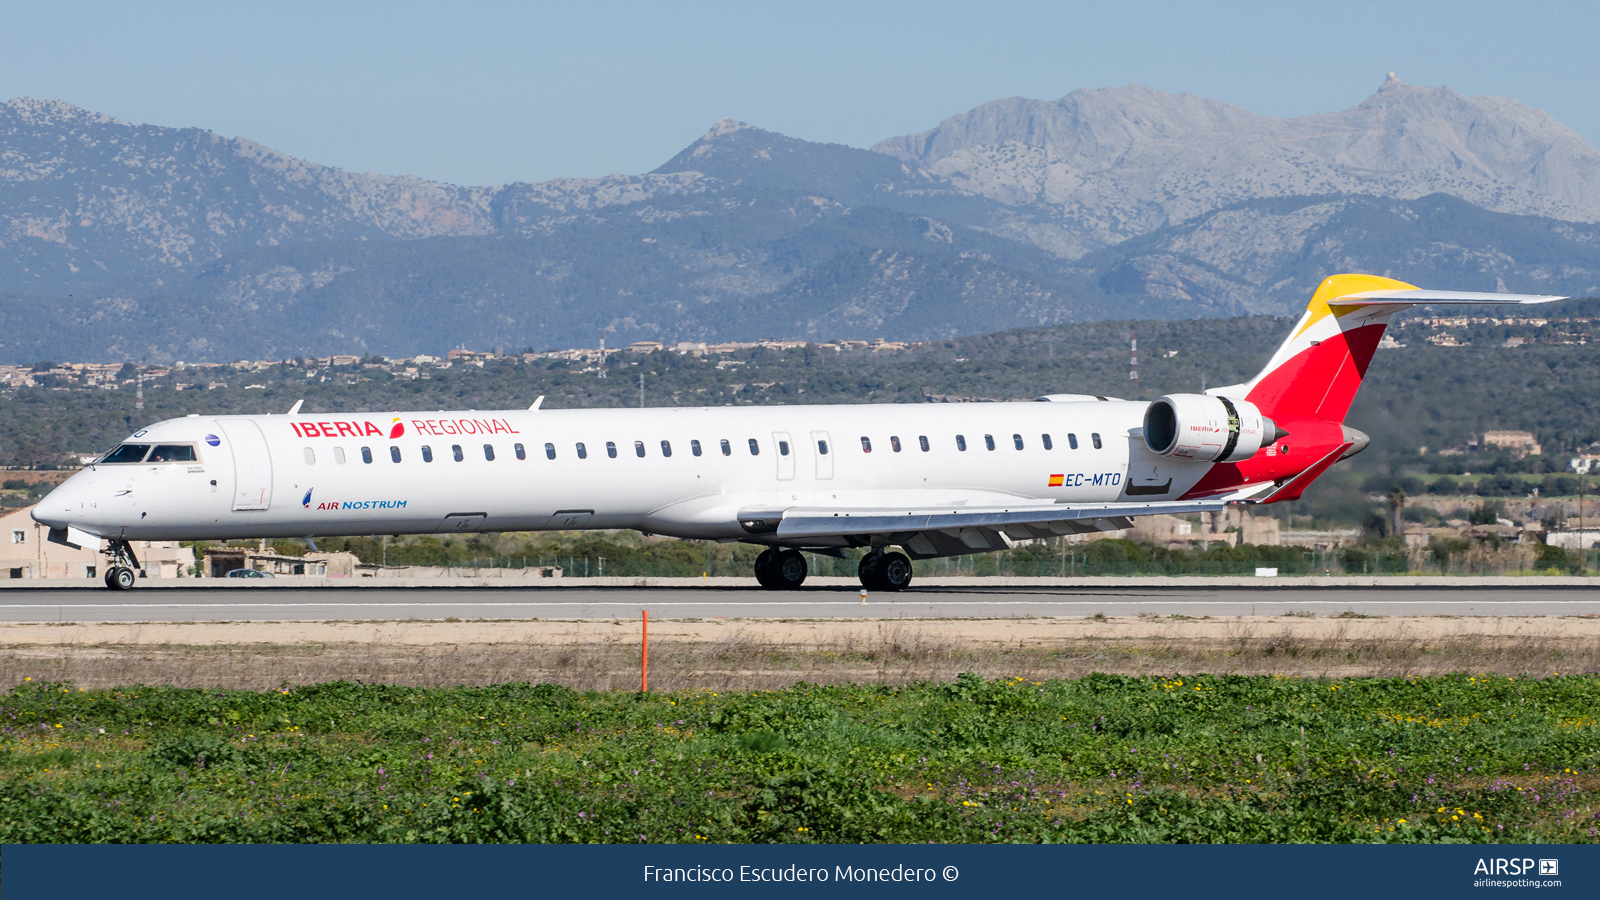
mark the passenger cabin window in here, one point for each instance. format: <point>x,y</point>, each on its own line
<point>394,454</point>
<point>666,448</point>
<point>755,448</point>
<point>1096,438</point>
<point>1046,439</point>
<point>127,453</point>
<point>311,456</point>
<point>988,441</point>
<point>694,447</point>
<point>638,449</point>
<point>866,444</point>
<point>488,452</point>
<point>427,453</point>
<point>583,452</point>
<point>1072,440</point>
<point>894,443</point>
<point>822,447</point>
<point>1017,439</point>
<point>611,449</point>
<point>172,453</point>
<point>549,451</point>
<point>727,449</point>
<point>922,441</point>
<point>783,448</point>
<point>522,452</point>
<point>455,451</point>
<point>366,455</point>
<point>961,442</point>
<point>338,455</point>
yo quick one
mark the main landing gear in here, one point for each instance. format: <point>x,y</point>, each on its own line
<point>121,574</point>
<point>781,570</point>
<point>881,571</point>
<point>785,570</point>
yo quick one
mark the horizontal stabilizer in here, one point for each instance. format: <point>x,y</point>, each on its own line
<point>1429,298</point>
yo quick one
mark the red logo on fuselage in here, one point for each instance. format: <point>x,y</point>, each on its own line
<point>335,429</point>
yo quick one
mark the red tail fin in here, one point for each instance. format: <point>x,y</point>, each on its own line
<point>1317,370</point>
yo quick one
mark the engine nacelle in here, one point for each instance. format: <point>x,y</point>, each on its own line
<point>1203,427</point>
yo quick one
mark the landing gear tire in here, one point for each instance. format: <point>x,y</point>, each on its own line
<point>780,570</point>
<point>790,569</point>
<point>765,564</point>
<point>881,571</point>
<point>895,571</point>
<point>120,578</point>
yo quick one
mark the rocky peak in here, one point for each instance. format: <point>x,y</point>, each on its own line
<point>1131,158</point>
<point>34,111</point>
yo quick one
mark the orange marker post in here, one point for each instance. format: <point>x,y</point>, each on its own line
<point>644,659</point>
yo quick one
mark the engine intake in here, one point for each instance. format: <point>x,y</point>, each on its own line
<point>1203,427</point>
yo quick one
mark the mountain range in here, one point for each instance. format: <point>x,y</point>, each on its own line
<point>126,241</point>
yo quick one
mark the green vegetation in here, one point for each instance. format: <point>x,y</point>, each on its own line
<point>1103,758</point>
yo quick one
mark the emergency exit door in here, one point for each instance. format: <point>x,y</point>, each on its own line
<point>786,451</point>
<point>823,445</point>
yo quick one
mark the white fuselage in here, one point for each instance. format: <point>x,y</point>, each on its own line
<point>309,475</point>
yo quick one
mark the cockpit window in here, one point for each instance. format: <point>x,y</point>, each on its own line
<point>127,453</point>
<point>172,453</point>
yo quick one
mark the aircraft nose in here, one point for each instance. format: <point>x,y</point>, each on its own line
<point>62,505</point>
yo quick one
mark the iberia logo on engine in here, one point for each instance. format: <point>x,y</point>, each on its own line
<point>346,429</point>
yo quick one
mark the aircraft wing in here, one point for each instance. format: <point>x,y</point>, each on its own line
<point>938,530</point>
<point>1436,298</point>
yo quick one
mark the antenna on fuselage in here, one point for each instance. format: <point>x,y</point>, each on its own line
<point>295,408</point>
<point>537,402</point>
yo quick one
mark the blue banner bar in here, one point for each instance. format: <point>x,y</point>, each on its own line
<point>1124,871</point>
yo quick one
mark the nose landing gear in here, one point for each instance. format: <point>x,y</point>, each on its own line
<point>781,570</point>
<point>121,574</point>
<point>881,571</point>
<point>120,578</point>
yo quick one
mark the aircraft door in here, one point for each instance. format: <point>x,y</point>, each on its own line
<point>786,451</point>
<point>824,448</point>
<point>252,464</point>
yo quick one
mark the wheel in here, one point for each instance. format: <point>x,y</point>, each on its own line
<point>110,578</point>
<point>789,569</point>
<point>870,571</point>
<point>894,573</point>
<point>766,568</point>
<point>120,578</point>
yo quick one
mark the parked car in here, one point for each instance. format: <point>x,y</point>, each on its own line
<point>249,573</point>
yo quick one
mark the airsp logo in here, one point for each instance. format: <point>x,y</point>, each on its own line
<point>1524,866</point>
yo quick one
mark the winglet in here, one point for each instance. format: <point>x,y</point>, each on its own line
<point>537,402</point>
<point>295,408</point>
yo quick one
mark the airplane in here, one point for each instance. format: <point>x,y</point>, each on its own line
<point>902,481</point>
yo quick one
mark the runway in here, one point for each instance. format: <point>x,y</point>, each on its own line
<point>149,603</point>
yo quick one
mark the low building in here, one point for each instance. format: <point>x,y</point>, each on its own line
<point>1573,540</point>
<point>26,552</point>
<point>316,564</point>
<point>1233,526</point>
<point>1520,443</point>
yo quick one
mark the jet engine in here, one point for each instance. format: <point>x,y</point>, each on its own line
<point>1203,427</point>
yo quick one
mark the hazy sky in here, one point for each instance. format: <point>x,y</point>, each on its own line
<point>486,93</point>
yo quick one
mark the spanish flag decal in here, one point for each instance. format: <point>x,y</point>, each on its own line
<point>1055,480</point>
